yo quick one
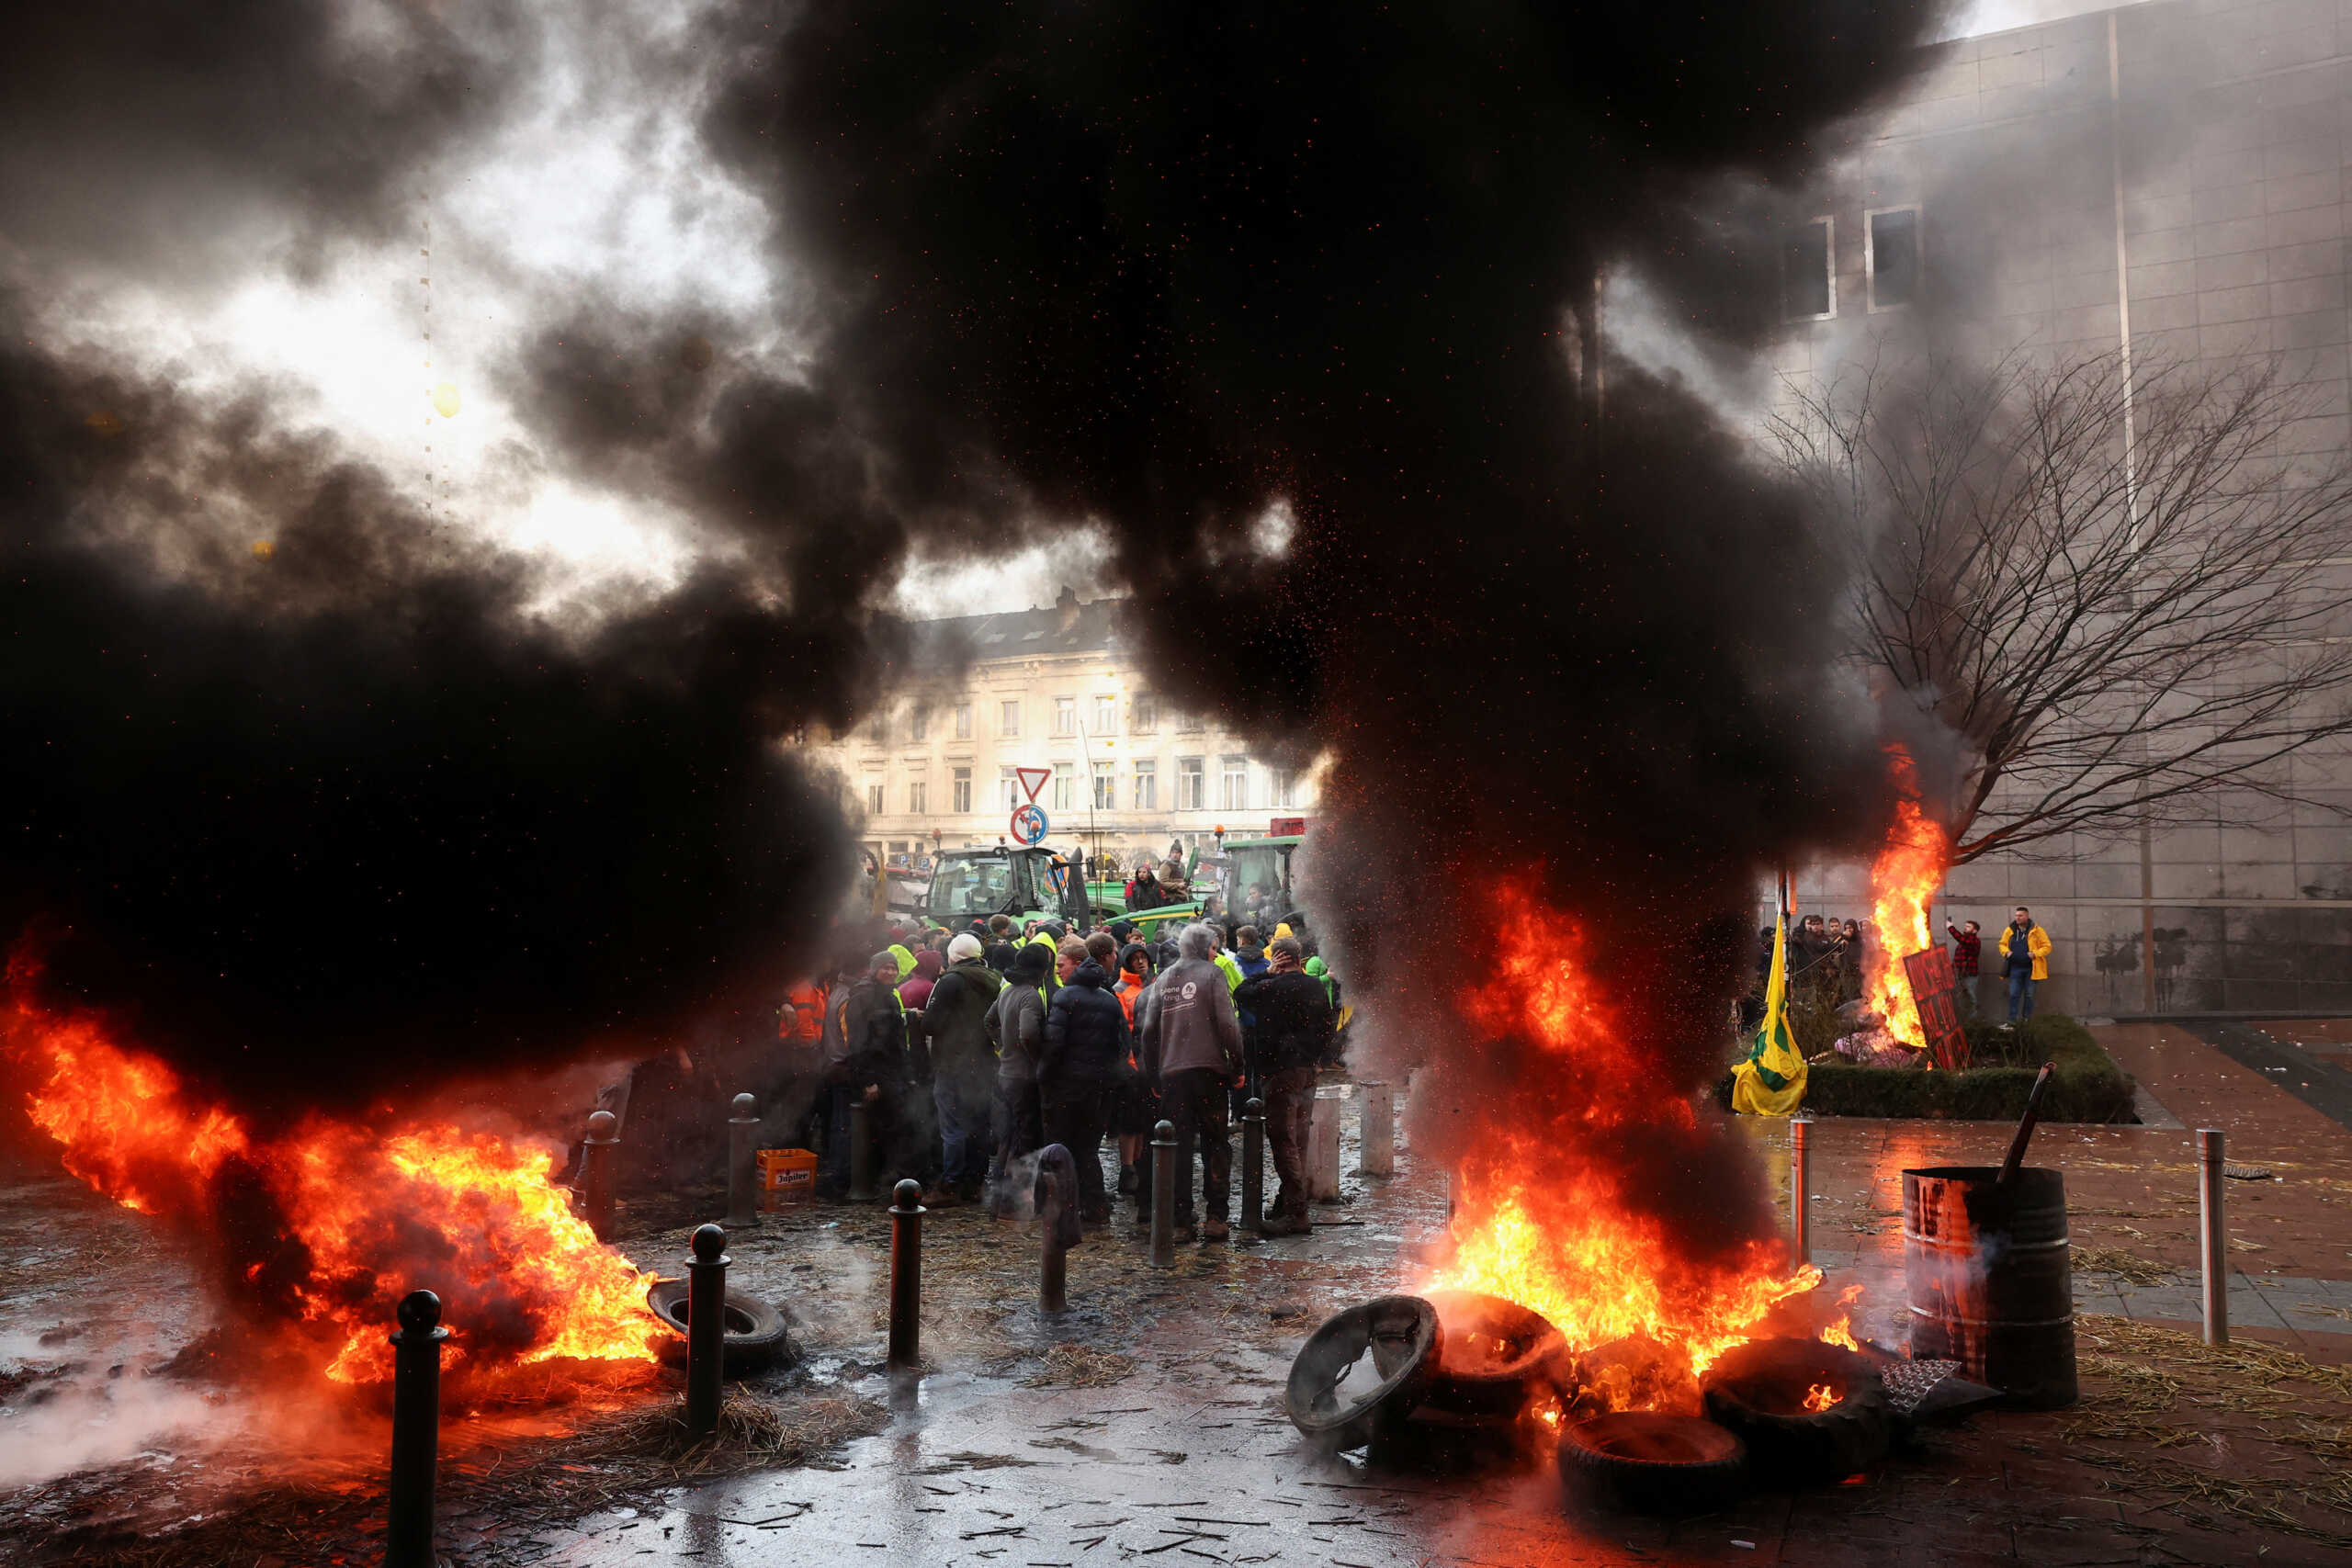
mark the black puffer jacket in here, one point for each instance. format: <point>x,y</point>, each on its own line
<point>1290,1020</point>
<point>1086,1031</point>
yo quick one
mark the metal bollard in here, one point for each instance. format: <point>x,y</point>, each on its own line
<point>416,1436</point>
<point>1253,1171</point>
<point>596,1159</point>
<point>906,1274</point>
<point>1376,1131</point>
<point>1163,1195</point>
<point>1800,1189</point>
<point>2214,1232</point>
<point>1323,1152</point>
<point>861,1153</point>
<point>706,1330</point>
<point>742,1163</point>
<point>1053,1263</point>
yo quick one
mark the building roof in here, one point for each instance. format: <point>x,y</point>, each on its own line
<point>1068,626</point>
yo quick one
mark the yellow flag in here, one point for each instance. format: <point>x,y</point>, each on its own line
<point>1771,1081</point>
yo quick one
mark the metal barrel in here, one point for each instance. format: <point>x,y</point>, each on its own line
<point>1988,1278</point>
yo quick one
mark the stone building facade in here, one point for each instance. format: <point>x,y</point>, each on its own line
<point>1058,689</point>
<point>2169,176</point>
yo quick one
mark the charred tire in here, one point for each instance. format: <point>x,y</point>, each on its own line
<point>1649,1463</point>
<point>1517,1357</point>
<point>1400,1334</point>
<point>1756,1389</point>
<point>757,1334</point>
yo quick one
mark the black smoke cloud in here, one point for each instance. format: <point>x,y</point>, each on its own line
<point>357,814</point>
<point>348,818</point>
<point>1169,263</point>
<point>1153,267</point>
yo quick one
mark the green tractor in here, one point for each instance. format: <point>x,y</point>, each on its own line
<point>1024,884</point>
<point>1254,880</point>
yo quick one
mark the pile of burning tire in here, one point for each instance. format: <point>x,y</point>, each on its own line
<point>1456,1375</point>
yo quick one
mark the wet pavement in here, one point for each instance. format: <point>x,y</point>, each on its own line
<point>1146,1423</point>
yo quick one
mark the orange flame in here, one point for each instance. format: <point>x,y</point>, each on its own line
<point>1841,1333</point>
<point>362,1218</point>
<point>1569,1245</point>
<point>1820,1396</point>
<point>1904,879</point>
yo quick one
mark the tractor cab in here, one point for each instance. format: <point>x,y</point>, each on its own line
<point>1025,883</point>
<point>1257,882</point>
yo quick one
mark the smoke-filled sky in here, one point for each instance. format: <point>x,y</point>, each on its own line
<point>348,730</point>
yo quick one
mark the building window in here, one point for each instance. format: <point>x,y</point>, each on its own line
<point>1144,714</point>
<point>1065,715</point>
<point>874,800</point>
<point>1146,796</point>
<point>919,796</point>
<point>1891,256</point>
<point>1008,719</point>
<point>1106,790</point>
<point>1009,786</point>
<point>1106,715</point>
<point>1191,784</point>
<point>1808,271</point>
<point>918,725</point>
<point>1189,724</point>
<point>1233,785</point>
<point>1065,785</point>
<point>1286,788</point>
<point>962,786</point>
<point>963,721</point>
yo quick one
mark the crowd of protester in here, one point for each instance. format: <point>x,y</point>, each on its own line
<point>974,1050</point>
<point>1827,958</point>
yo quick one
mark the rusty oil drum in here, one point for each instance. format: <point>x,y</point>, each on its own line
<point>1988,1278</point>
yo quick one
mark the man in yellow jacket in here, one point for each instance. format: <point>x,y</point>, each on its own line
<point>2025,959</point>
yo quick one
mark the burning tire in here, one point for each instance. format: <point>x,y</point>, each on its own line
<point>1649,1463</point>
<point>1400,1334</point>
<point>1493,1360</point>
<point>1809,1411</point>
<point>756,1332</point>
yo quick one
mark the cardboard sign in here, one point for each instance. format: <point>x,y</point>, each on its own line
<point>1933,986</point>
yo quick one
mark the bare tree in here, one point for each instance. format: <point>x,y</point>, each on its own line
<point>2113,625</point>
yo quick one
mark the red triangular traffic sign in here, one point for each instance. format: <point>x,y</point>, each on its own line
<point>1033,779</point>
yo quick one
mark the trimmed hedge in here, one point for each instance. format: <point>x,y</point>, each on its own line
<point>2088,1086</point>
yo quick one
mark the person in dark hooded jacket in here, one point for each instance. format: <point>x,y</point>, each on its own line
<point>1086,1039</point>
<point>875,1066</point>
<point>962,1068</point>
<point>1291,1025</point>
<point>1016,1028</point>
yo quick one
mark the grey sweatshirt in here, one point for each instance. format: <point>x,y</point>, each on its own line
<point>1191,1022</point>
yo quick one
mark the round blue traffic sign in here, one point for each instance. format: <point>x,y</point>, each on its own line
<point>1029,823</point>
